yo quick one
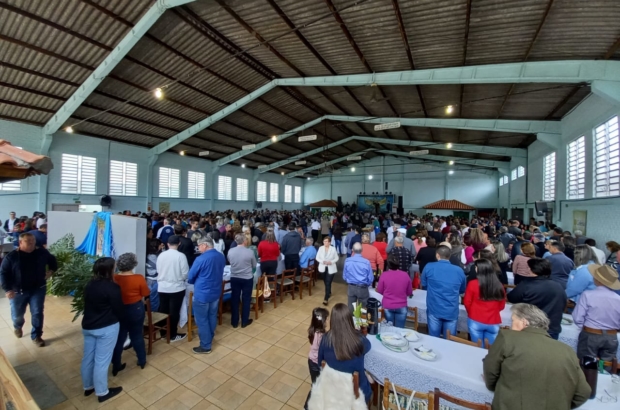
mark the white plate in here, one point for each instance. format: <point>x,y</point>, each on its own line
<point>393,339</point>
<point>410,335</point>
<point>397,349</point>
<point>428,356</point>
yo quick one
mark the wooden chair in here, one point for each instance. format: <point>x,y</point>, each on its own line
<point>191,323</point>
<point>356,381</point>
<point>389,387</point>
<point>272,281</point>
<point>224,297</point>
<point>412,316</point>
<point>305,278</point>
<point>459,402</point>
<point>258,297</point>
<point>614,366</point>
<point>287,283</point>
<point>463,341</point>
<point>315,268</point>
<point>569,305</point>
<point>152,326</point>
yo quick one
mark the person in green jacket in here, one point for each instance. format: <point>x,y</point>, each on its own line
<point>529,370</point>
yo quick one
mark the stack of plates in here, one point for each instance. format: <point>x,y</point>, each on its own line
<point>395,342</point>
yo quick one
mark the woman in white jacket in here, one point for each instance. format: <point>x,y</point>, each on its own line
<point>327,256</point>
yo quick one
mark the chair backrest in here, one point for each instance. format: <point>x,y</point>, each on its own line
<point>389,387</point>
<point>289,273</point>
<point>412,315</point>
<point>356,381</point>
<point>224,282</point>
<point>463,341</point>
<point>613,364</point>
<point>260,284</point>
<point>147,308</point>
<point>311,262</point>
<point>460,402</point>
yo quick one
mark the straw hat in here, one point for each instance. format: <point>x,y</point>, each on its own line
<point>606,275</point>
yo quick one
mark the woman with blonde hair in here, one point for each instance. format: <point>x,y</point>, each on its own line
<point>420,241</point>
<point>520,267</point>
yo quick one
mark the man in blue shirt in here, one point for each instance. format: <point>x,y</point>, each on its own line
<point>444,283</point>
<point>561,265</point>
<point>206,275</point>
<point>309,253</point>
<point>359,276</point>
<point>40,236</point>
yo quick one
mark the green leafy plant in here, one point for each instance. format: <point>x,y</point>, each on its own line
<point>75,270</point>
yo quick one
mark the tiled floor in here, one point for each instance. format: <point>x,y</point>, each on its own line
<point>263,366</point>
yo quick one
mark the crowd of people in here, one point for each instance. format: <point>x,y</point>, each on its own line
<point>456,261</point>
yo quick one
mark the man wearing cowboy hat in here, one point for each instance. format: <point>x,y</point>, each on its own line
<point>598,315</point>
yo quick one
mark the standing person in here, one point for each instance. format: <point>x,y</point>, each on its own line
<point>484,299</point>
<point>542,292</point>
<point>561,265</point>
<point>373,256</point>
<point>40,236</point>
<point>381,246</point>
<point>206,275</point>
<point>599,254</point>
<point>395,286</point>
<point>597,314</point>
<point>269,252</point>
<point>103,309</point>
<point>403,254</point>
<point>23,275</point>
<point>153,249</point>
<point>242,266</point>
<point>290,247</point>
<point>316,227</point>
<point>316,331</point>
<point>10,223</point>
<point>186,246</point>
<point>426,254</point>
<point>357,273</point>
<point>172,272</point>
<point>133,290</point>
<point>325,227</point>
<point>444,283</point>
<point>327,256</point>
<point>580,278</point>
<point>520,268</point>
<point>165,232</point>
<point>613,247</point>
<point>337,237</point>
<point>343,348</point>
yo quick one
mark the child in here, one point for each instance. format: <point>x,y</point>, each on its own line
<point>315,333</point>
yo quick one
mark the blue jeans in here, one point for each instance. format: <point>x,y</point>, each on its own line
<point>480,331</point>
<point>338,245</point>
<point>241,288</point>
<point>437,327</point>
<point>132,323</point>
<point>98,348</point>
<point>397,316</point>
<point>35,298</point>
<point>154,296</point>
<point>206,320</point>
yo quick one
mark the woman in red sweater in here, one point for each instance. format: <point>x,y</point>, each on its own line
<point>484,299</point>
<point>268,253</point>
<point>381,246</point>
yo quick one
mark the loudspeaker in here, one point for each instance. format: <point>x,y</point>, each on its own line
<point>400,201</point>
<point>400,210</point>
<point>339,207</point>
<point>386,185</point>
<point>105,200</point>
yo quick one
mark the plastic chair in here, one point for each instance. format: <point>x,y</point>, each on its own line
<point>152,327</point>
<point>459,402</point>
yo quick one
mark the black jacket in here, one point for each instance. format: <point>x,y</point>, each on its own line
<point>544,293</point>
<point>11,274</point>
<point>187,248</point>
<point>426,255</point>
<point>291,243</point>
<point>103,304</point>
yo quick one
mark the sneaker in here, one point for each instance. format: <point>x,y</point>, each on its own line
<point>200,350</point>
<point>38,341</point>
<point>18,333</point>
<point>179,337</point>
<point>112,391</point>
<point>247,324</point>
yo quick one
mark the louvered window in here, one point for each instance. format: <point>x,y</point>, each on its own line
<point>513,174</point>
<point>606,159</point>
<point>576,169</point>
<point>261,191</point>
<point>520,171</point>
<point>224,188</point>
<point>297,194</point>
<point>288,193</point>
<point>78,175</point>
<point>549,177</point>
<point>505,179</point>
<point>169,182</point>
<point>123,178</point>
<point>501,181</point>
<point>242,189</point>
<point>273,192</point>
<point>195,185</point>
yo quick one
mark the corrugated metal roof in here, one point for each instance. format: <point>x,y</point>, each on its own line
<point>212,60</point>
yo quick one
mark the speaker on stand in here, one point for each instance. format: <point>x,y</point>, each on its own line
<point>400,210</point>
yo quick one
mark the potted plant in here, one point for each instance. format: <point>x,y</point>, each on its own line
<point>75,270</point>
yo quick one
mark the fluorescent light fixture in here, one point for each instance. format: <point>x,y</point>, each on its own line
<point>182,152</point>
<point>274,138</point>
<point>262,166</point>
<point>356,158</point>
<point>369,176</point>
<point>242,165</point>
<point>203,153</point>
<point>249,146</point>
<point>159,94</point>
<point>449,145</point>
<point>419,152</point>
<point>449,109</point>
<point>387,126</point>
<point>69,130</point>
<point>300,162</point>
<point>305,138</point>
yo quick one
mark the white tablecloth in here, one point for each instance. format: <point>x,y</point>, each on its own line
<point>457,371</point>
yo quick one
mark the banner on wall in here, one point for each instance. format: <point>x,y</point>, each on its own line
<point>580,221</point>
<point>375,203</point>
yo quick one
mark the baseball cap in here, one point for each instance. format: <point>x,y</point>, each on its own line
<point>174,240</point>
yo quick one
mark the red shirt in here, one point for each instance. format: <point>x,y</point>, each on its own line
<point>381,246</point>
<point>268,251</point>
<point>483,311</point>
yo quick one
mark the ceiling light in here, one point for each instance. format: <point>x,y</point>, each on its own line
<point>449,109</point>
<point>69,130</point>
<point>450,172</point>
<point>159,94</point>
<point>262,166</point>
<point>451,162</point>
<point>203,153</point>
<point>182,152</point>
<point>308,178</point>
<point>274,138</point>
<point>449,145</point>
<point>242,165</point>
<point>369,176</point>
<point>353,169</point>
<point>282,173</point>
<point>249,146</point>
<point>305,138</point>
